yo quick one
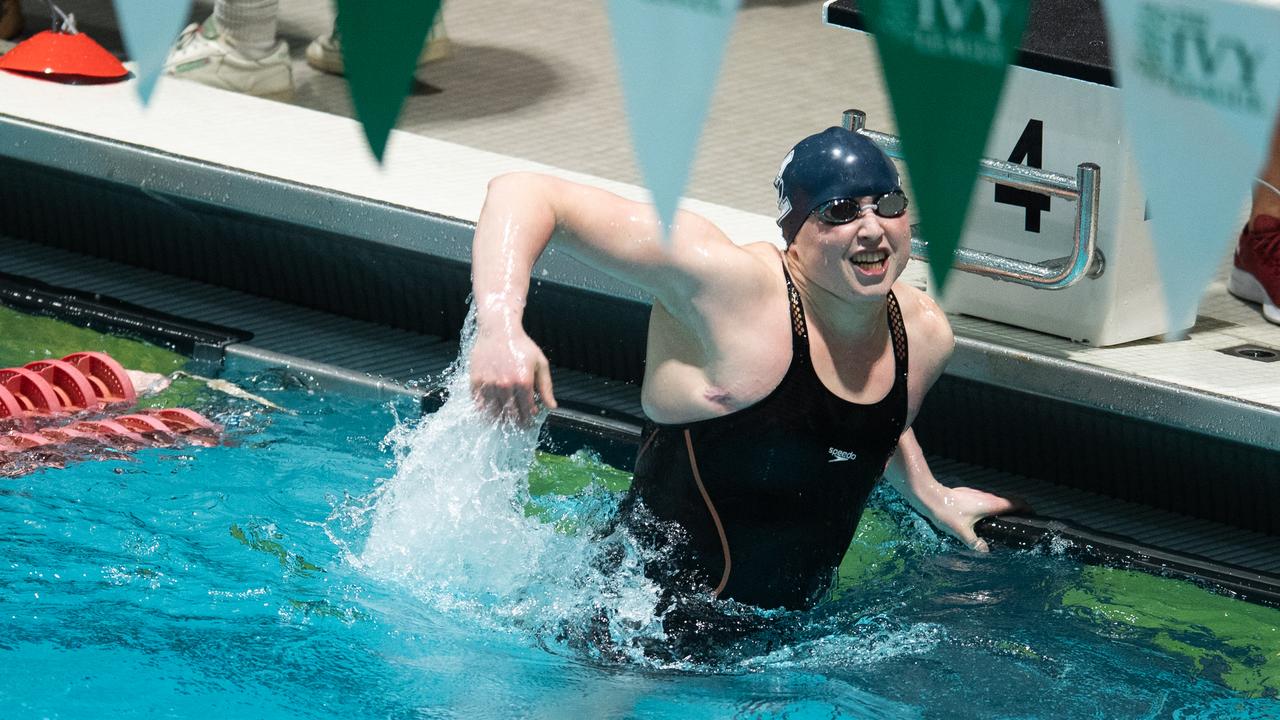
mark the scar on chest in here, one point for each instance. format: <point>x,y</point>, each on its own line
<point>719,396</point>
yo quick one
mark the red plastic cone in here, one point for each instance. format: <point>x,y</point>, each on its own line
<point>63,56</point>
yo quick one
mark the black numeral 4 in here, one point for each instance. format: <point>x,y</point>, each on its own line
<point>1027,152</point>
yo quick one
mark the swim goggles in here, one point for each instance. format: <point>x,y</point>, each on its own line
<point>845,210</point>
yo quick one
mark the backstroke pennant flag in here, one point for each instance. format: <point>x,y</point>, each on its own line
<point>1199,82</point>
<point>381,42</point>
<point>944,63</point>
<point>149,28</point>
<point>669,54</point>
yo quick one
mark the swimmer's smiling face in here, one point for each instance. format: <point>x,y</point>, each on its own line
<point>854,260</point>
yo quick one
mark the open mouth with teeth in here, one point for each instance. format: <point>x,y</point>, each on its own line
<point>872,262</point>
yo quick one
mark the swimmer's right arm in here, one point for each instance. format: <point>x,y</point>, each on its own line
<point>521,213</point>
<point>506,365</point>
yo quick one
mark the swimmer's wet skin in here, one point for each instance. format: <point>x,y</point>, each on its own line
<point>718,479</point>
<point>777,387</point>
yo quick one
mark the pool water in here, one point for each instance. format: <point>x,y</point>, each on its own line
<point>347,559</point>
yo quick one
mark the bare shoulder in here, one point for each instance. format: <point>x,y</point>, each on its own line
<point>724,273</point>
<point>766,256</point>
<point>928,330</point>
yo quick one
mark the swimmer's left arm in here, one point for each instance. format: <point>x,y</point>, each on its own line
<point>954,510</point>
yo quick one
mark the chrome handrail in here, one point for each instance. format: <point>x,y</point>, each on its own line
<point>1085,260</point>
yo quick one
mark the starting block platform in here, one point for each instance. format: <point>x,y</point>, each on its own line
<point>1060,110</point>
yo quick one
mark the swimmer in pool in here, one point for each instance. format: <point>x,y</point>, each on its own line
<point>779,385</point>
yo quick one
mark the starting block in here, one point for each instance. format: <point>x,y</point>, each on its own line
<point>1025,253</point>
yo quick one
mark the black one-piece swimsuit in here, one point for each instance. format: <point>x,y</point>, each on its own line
<point>766,498</point>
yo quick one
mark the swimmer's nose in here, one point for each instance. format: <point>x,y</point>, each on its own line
<point>869,230</point>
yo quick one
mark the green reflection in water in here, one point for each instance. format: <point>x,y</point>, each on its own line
<point>1230,641</point>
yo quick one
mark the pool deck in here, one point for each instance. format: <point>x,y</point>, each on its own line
<point>523,87</point>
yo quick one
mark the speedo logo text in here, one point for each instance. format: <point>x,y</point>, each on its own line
<point>838,455</point>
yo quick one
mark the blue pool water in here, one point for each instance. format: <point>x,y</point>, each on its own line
<point>315,568</point>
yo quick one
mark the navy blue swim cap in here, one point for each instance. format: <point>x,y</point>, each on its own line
<point>835,163</point>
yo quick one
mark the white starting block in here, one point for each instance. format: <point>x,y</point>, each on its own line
<point>1075,121</point>
<point>1016,264</point>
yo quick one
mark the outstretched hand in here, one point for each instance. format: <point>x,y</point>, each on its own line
<point>509,375</point>
<point>961,508</point>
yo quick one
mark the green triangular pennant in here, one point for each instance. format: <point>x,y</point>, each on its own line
<point>944,64</point>
<point>381,42</point>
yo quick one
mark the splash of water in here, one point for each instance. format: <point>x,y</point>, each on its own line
<point>457,527</point>
<point>452,526</point>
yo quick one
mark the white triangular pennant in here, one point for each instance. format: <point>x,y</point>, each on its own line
<point>1200,80</point>
<point>669,54</point>
<point>149,28</point>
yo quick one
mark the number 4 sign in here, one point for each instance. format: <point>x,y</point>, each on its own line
<point>1055,122</point>
<point>1027,152</point>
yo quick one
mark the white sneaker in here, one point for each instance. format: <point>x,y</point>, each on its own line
<point>202,54</point>
<point>325,52</point>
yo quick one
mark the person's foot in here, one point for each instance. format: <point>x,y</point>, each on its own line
<point>325,52</point>
<point>205,55</point>
<point>10,19</point>
<point>1256,275</point>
